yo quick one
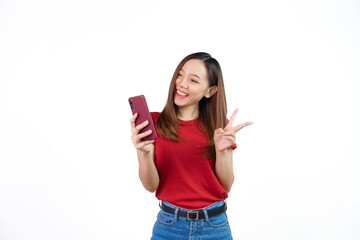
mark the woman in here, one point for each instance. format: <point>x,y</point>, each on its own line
<point>190,164</point>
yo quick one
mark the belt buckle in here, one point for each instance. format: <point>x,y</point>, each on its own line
<point>192,212</point>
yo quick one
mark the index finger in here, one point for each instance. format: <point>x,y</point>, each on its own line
<point>132,120</point>
<point>232,118</point>
<point>240,126</point>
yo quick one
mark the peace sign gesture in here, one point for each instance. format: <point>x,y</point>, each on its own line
<point>225,138</point>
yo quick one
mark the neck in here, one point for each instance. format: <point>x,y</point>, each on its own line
<point>188,113</point>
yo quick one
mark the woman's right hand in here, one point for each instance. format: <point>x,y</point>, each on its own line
<point>136,136</point>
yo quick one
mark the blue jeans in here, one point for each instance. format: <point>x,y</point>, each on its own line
<point>172,227</point>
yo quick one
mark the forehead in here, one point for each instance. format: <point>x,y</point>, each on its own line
<point>195,66</point>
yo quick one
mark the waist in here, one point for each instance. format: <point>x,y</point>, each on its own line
<point>206,212</point>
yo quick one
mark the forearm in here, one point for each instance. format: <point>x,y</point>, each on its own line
<point>224,168</point>
<point>147,170</point>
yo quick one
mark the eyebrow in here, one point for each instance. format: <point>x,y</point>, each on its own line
<point>192,74</point>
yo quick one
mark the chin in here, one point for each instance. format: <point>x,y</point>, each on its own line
<point>178,104</point>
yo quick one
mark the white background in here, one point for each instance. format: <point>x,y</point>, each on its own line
<point>68,169</point>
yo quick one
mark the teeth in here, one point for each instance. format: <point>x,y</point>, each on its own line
<point>181,93</point>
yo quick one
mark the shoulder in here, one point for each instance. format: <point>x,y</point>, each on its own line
<point>154,116</point>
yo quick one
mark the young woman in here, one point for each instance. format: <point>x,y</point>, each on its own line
<point>190,165</point>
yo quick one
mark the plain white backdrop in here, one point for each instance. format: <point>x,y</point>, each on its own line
<point>68,169</point>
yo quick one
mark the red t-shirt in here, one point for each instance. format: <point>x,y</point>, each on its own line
<point>187,178</point>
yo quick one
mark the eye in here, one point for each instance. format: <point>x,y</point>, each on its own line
<point>194,81</point>
<point>179,75</point>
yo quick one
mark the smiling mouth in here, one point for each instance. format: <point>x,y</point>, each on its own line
<point>182,93</point>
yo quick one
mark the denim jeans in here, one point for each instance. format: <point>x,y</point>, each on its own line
<point>172,227</point>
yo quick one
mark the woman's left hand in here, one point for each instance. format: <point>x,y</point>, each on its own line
<point>225,138</point>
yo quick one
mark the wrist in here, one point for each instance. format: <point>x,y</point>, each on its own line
<point>143,152</point>
<point>220,153</point>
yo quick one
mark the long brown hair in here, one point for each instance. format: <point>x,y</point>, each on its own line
<point>212,111</point>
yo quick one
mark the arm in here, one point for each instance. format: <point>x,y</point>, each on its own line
<point>148,173</point>
<point>224,139</point>
<point>224,168</point>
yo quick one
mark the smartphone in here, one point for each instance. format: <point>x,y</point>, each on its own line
<point>138,105</point>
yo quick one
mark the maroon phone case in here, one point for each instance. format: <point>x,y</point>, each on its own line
<point>138,105</point>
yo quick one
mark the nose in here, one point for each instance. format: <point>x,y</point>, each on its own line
<point>183,83</point>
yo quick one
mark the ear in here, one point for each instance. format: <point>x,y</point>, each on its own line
<point>211,92</point>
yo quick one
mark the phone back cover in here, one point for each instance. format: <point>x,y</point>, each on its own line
<point>139,106</point>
